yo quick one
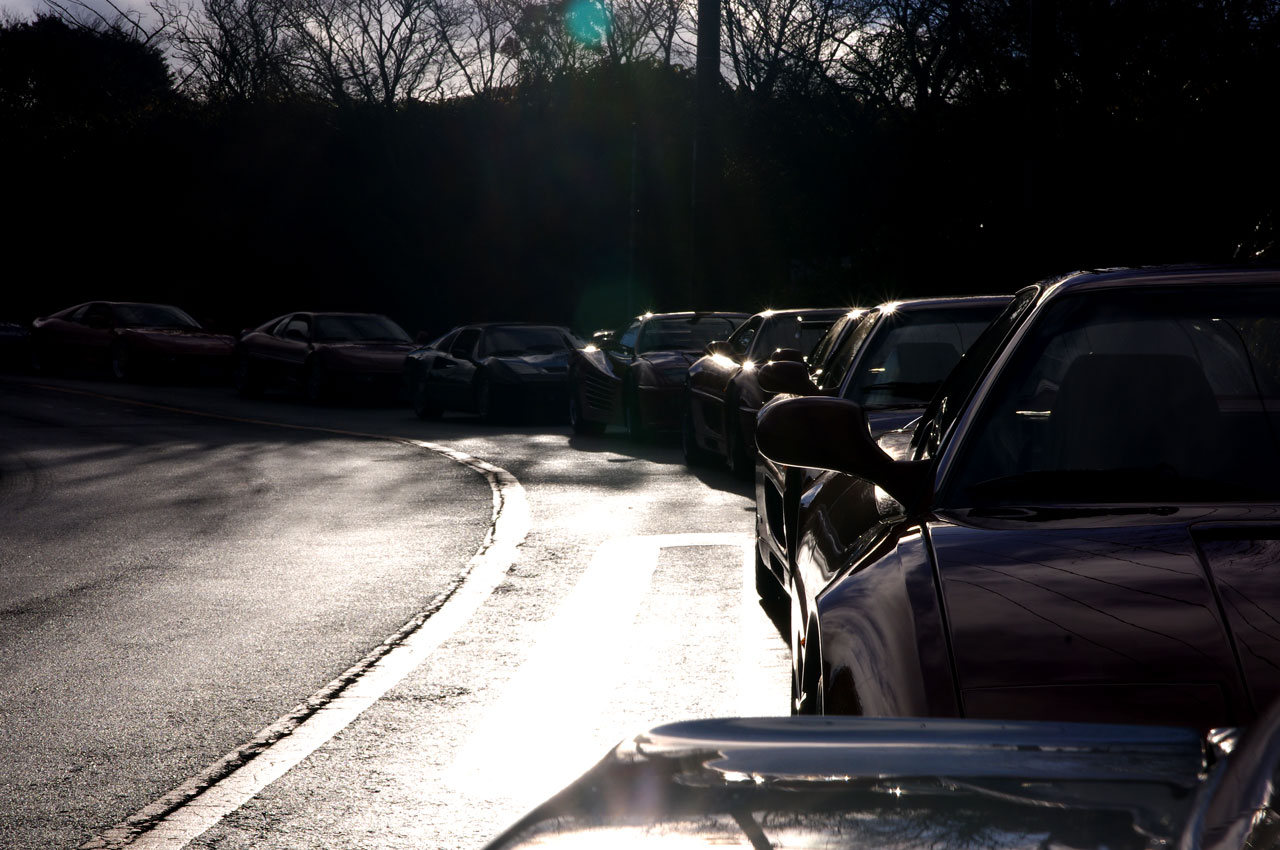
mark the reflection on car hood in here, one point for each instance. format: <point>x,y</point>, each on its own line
<point>556,361</point>
<point>671,359</point>
<point>860,782</point>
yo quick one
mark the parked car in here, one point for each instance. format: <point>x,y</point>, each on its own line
<point>851,783</point>
<point>129,341</point>
<point>723,392</point>
<point>635,378</point>
<point>323,356</point>
<point>889,359</point>
<point>1082,525</point>
<point>496,370</point>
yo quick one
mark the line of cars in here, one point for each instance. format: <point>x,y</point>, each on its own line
<point>1078,528</point>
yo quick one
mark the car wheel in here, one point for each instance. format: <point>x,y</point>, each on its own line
<point>316,384</point>
<point>486,399</point>
<point>739,456</point>
<point>121,362</point>
<point>694,454</point>
<point>577,422</point>
<point>247,381</point>
<point>631,415</point>
<point>423,406</point>
<point>43,362</point>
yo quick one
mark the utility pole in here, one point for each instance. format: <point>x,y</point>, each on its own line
<point>707,160</point>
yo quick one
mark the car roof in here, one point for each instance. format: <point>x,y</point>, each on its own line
<point>714,314</point>
<point>913,304</point>
<point>832,312</point>
<point>1179,275</point>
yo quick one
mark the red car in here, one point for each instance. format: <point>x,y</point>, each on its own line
<point>129,341</point>
<point>636,377</point>
<point>723,389</point>
<point>323,355</point>
<point>1083,525</point>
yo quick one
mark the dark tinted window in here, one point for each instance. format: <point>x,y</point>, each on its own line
<point>833,371</point>
<point>151,316</point>
<point>514,341</point>
<point>358,329</point>
<point>912,352</point>
<point>790,332</point>
<point>1133,396</point>
<point>683,334</point>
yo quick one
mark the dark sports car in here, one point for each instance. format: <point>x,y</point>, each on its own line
<point>724,393</point>
<point>323,356</point>
<point>129,341</point>
<point>1083,524</point>
<point>636,378</point>
<point>498,370</point>
<point>799,783</point>
<point>889,359</point>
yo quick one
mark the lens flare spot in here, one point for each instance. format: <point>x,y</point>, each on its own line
<point>587,21</point>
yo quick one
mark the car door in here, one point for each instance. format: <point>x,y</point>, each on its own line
<point>283,352</point>
<point>453,370</point>
<point>711,377</point>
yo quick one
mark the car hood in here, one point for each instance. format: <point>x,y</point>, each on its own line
<point>556,361</point>
<point>1118,612</point>
<point>180,336</point>
<point>845,782</point>
<point>670,359</point>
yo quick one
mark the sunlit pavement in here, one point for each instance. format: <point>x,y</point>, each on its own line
<point>628,604</point>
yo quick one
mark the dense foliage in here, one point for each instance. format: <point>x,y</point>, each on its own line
<point>484,159</point>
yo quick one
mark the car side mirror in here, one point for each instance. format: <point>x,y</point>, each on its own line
<point>98,323</point>
<point>720,347</point>
<point>831,433</point>
<point>786,355</point>
<point>786,376</point>
<point>295,335</point>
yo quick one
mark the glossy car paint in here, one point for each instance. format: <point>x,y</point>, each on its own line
<point>95,336</point>
<point>1142,613</point>
<point>724,393</point>
<point>780,490</point>
<point>457,372</point>
<point>285,353</point>
<point>612,384</point>
<point>844,783</point>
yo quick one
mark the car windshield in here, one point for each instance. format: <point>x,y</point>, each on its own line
<point>151,316</point>
<point>689,333</point>
<point>1148,396</point>
<point>791,332</point>
<point>516,341</point>
<point>358,328</point>
<point>911,352</point>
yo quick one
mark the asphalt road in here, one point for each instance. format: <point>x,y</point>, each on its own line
<point>171,584</point>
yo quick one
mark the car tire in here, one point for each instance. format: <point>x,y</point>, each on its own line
<point>120,362</point>
<point>577,421</point>
<point>43,362</point>
<point>423,406</point>
<point>486,399</point>
<point>248,382</point>
<point>741,459</point>
<point>694,454</point>
<point>316,384</point>
<point>637,430</point>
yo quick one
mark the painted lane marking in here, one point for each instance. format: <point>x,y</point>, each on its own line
<point>196,805</point>
<point>532,741</point>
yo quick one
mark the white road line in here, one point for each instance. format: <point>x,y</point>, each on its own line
<point>531,741</point>
<point>199,803</point>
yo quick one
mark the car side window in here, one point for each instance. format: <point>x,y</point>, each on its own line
<point>99,316</point>
<point>296,327</point>
<point>742,338</point>
<point>444,342</point>
<point>842,357</point>
<point>79,313</point>
<point>465,343</point>
<point>629,337</point>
